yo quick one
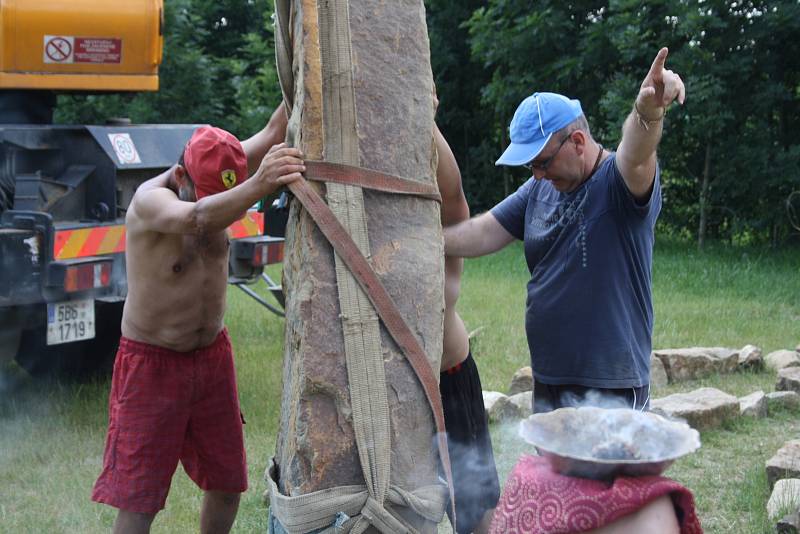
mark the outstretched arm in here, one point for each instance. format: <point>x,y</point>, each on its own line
<point>475,237</point>
<point>274,133</point>
<point>641,133</point>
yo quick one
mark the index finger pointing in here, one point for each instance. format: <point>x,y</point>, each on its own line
<point>658,62</point>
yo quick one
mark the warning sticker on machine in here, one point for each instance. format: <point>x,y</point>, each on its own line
<point>70,49</point>
<point>124,148</point>
<point>97,50</point>
<point>58,49</point>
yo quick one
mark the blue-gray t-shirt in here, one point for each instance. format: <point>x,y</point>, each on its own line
<point>589,313</point>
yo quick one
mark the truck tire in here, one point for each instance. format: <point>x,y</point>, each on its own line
<point>9,341</point>
<point>78,361</point>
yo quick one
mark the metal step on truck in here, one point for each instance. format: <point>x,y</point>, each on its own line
<point>64,189</point>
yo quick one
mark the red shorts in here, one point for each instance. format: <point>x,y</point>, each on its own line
<point>167,406</point>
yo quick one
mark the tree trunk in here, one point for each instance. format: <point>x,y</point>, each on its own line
<point>701,232</point>
<point>391,86</point>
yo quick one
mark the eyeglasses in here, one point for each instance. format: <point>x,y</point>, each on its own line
<point>543,165</point>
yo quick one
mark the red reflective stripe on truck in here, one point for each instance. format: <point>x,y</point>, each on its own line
<point>110,239</point>
<point>90,241</point>
<point>252,224</point>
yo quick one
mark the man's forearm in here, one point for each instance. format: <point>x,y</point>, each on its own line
<point>257,146</point>
<point>216,212</point>
<point>475,237</point>
<point>640,138</point>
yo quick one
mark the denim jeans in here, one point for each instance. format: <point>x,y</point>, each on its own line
<point>275,526</point>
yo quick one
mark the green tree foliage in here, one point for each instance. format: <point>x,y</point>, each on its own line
<point>218,68</point>
<point>729,157</point>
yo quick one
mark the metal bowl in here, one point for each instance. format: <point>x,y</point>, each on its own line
<point>602,443</point>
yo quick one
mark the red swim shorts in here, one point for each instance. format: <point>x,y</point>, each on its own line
<point>167,406</point>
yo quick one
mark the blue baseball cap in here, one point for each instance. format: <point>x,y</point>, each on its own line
<point>536,119</point>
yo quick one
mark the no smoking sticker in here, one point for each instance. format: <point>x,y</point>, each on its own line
<point>58,49</point>
<point>71,49</point>
<point>124,148</point>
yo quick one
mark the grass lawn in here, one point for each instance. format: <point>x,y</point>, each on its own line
<point>52,434</point>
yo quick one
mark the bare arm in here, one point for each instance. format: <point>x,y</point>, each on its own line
<point>448,177</point>
<point>636,154</point>
<point>257,146</point>
<point>156,206</point>
<point>475,237</point>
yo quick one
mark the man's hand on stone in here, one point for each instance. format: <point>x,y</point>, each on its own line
<point>281,166</point>
<point>659,89</point>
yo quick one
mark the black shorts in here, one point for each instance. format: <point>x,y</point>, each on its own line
<point>477,488</point>
<point>548,397</point>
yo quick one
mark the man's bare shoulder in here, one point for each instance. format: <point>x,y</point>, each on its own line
<point>143,205</point>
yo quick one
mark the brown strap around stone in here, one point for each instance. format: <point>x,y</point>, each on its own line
<point>348,251</point>
<point>323,171</point>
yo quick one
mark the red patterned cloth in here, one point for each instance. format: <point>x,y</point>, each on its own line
<point>537,500</point>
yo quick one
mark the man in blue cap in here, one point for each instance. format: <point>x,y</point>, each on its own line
<point>587,219</point>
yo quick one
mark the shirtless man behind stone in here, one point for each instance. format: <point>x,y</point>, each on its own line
<point>477,488</point>
<point>173,394</point>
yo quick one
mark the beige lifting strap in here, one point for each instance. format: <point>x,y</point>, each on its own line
<point>360,325</point>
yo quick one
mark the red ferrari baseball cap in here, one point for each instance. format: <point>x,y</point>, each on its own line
<point>215,160</point>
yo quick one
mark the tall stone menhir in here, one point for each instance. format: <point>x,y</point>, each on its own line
<point>360,85</point>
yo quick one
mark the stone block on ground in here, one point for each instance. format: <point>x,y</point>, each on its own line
<point>703,408</point>
<point>789,524</point>
<point>785,463</point>
<point>658,375</point>
<point>754,405</point>
<point>785,498</point>
<point>751,357</point>
<point>789,400</point>
<point>512,408</point>
<point>521,381</point>
<point>789,379</point>
<point>697,362</point>
<point>490,398</point>
<point>781,359</point>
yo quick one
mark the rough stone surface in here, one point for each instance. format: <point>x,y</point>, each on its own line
<point>789,400</point>
<point>511,408</point>
<point>703,408</point>
<point>490,398</point>
<point>785,498</point>
<point>785,463</point>
<point>750,357</point>
<point>789,524</point>
<point>524,402</point>
<point>697,362</point>
<point>781,359</point>
<point>521,381</point>
<point>393,86</point>
<point>658,375</point>
<point>754,405</point>
<point>788,379</point>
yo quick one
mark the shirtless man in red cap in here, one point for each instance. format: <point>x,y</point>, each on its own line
<point>173,395</point>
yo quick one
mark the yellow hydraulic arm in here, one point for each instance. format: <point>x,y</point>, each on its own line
<point>94,45</point>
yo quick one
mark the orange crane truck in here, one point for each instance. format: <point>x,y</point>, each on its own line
<point>64,189</point>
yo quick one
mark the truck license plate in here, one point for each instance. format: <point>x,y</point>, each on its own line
<point>70,321</point>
